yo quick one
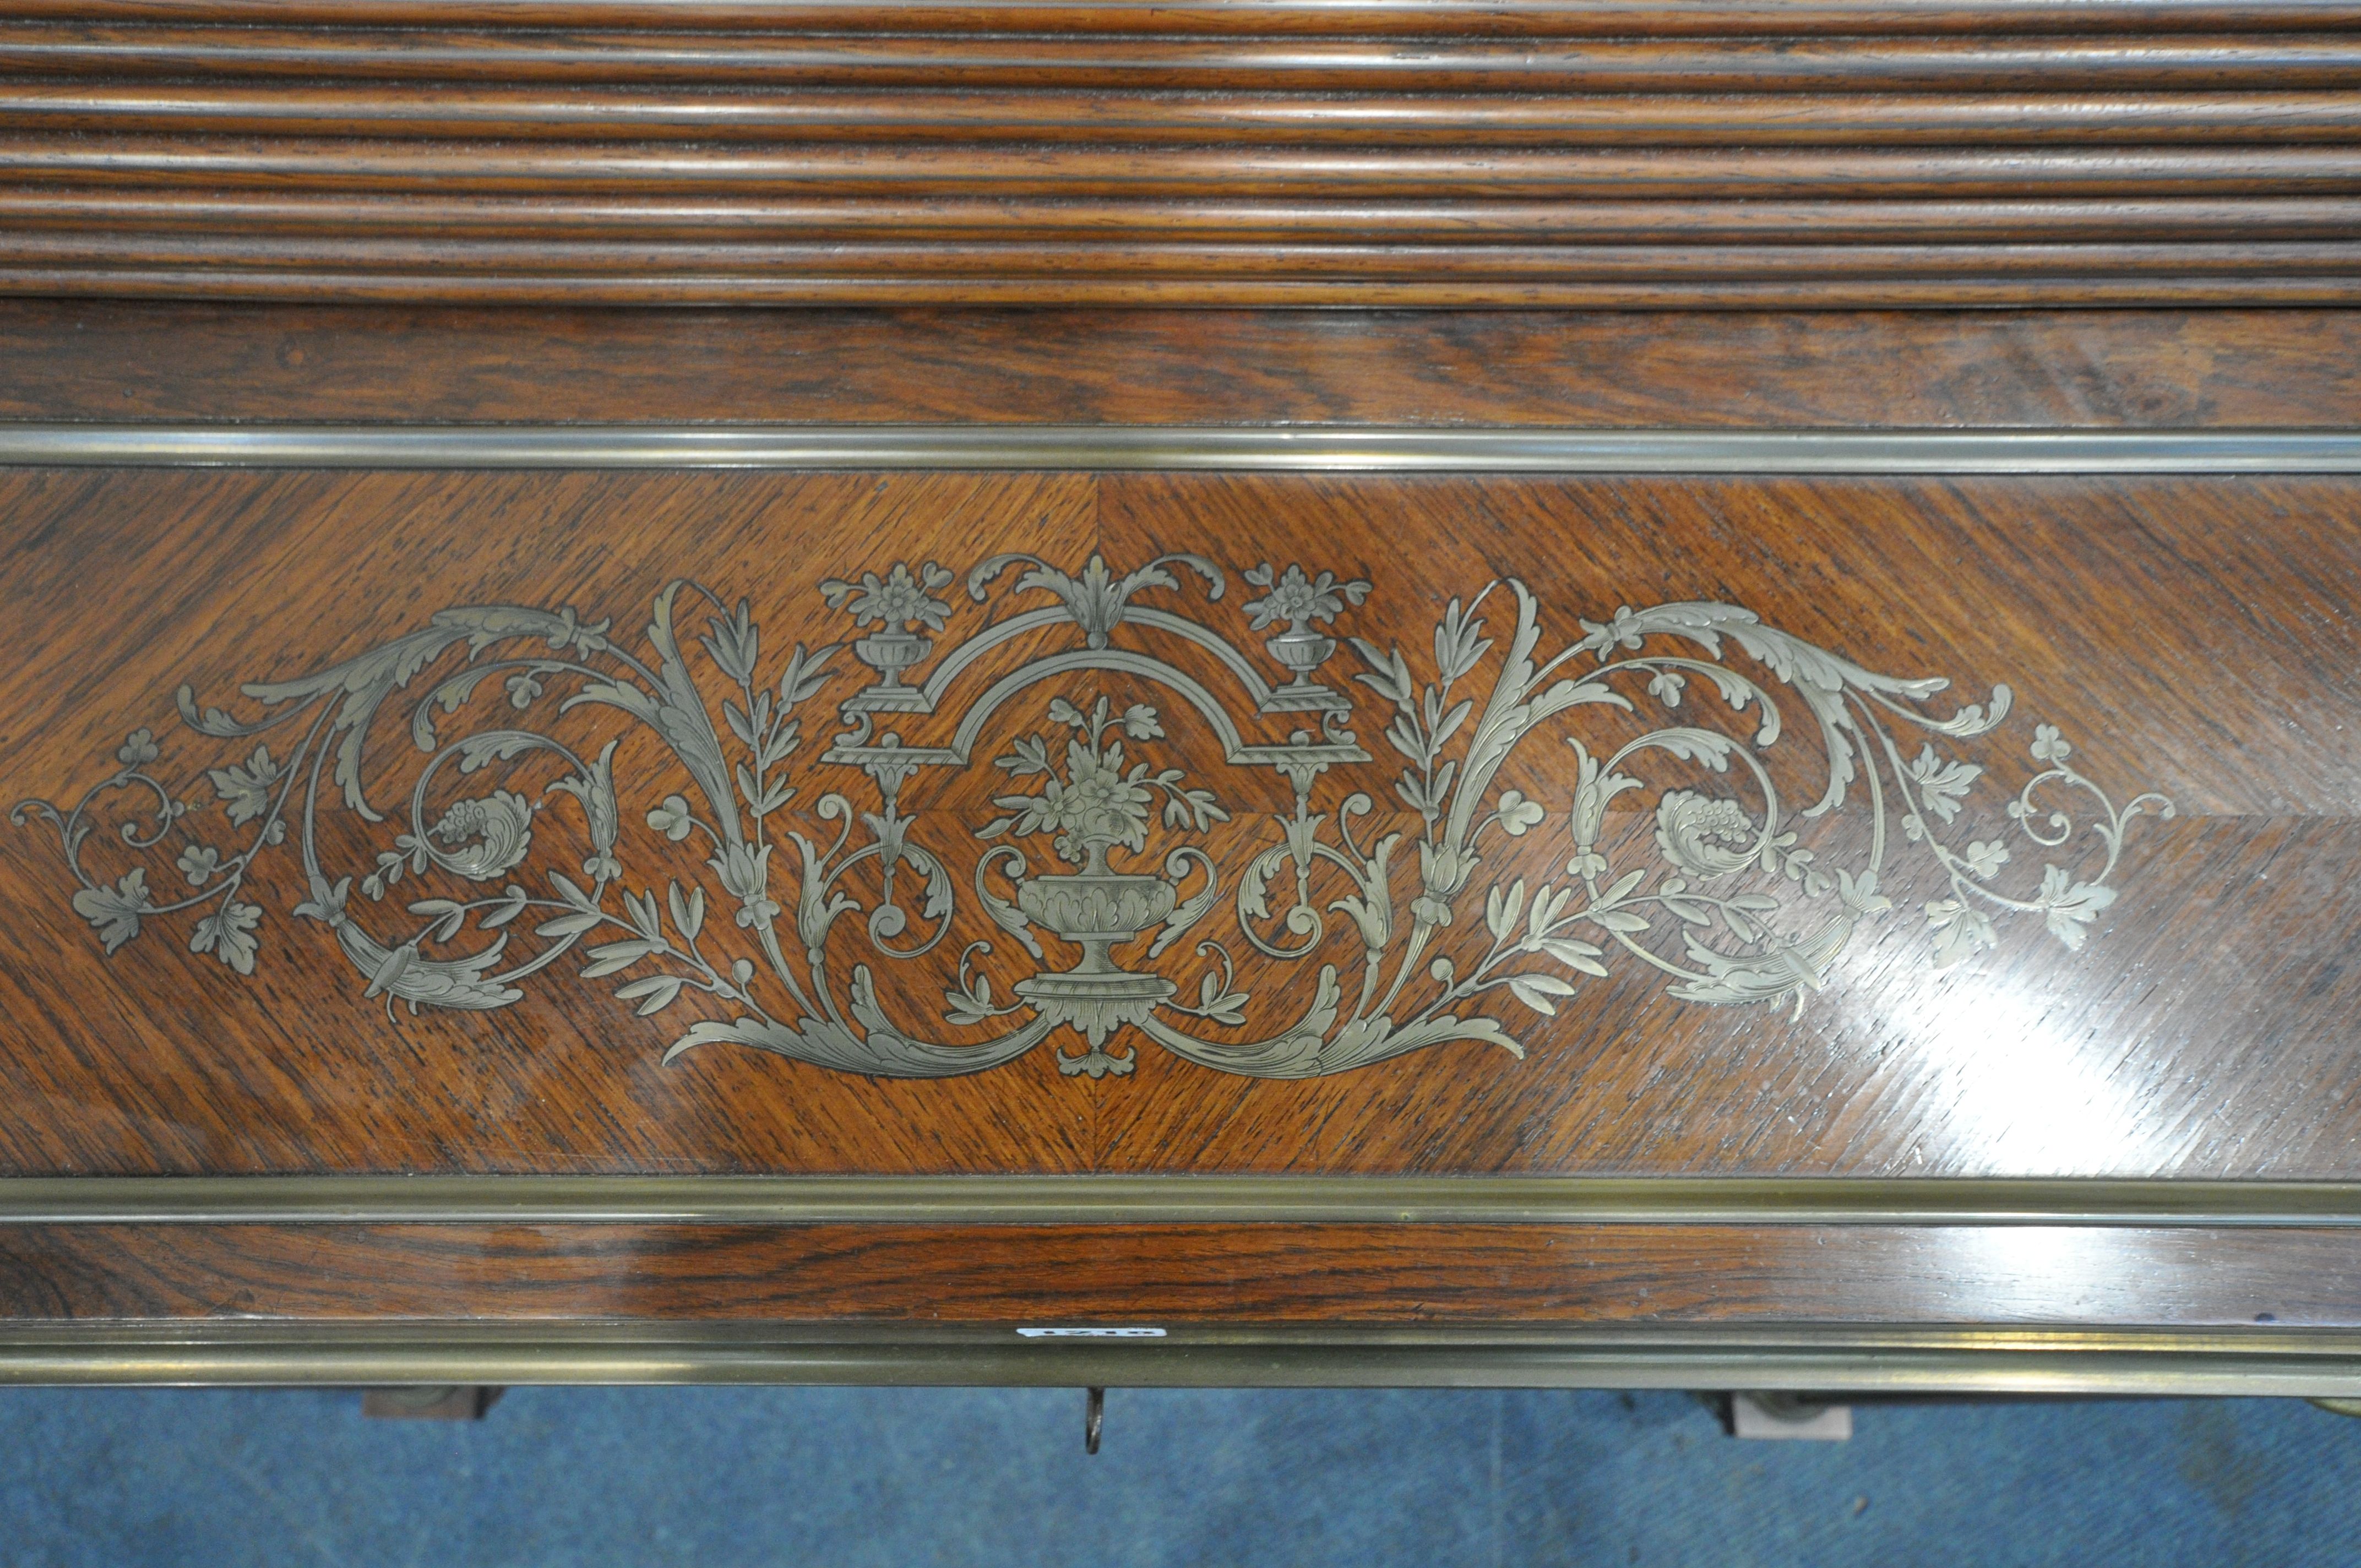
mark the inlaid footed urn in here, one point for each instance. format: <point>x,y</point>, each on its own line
<point>1096,909</point>
<point>1094,806</point>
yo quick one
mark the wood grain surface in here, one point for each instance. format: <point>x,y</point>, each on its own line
<point>1700,156</point>
<point>848,1277</point>
<point>2212,369</point>
<point>1520,19</point>
<point>2190,636</point>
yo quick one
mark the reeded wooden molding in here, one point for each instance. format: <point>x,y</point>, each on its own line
<point>296,286</point>
<point>1553,266</point>
<point>991,114</point>
<point>715,224</point>
<point>2021,63</point>
<point>1540,155</point>
<point>952,169</point>
<point>1507,18</point>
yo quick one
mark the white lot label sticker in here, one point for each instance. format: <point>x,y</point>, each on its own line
<point>1091,1333</point>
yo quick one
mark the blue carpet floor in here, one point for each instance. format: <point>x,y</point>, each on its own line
<point>717,1477</point>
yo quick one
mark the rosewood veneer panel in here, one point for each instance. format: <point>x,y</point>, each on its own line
<point>1551,1278</point>
<point>97,361</point>
<point>2189,636</point>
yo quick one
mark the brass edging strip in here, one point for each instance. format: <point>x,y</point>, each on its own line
<point>1832,1360</point>
<point>1117,447</point>
<point>1169,1200</point>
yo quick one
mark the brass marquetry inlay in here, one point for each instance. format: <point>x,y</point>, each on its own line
<point>1137,726</point>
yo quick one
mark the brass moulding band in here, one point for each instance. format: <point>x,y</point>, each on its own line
<point>1832,1359</point>
<point>1170,1199</point>
<point>1129,447</point>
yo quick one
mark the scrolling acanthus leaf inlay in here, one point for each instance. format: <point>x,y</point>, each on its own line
<point>1070,871</point>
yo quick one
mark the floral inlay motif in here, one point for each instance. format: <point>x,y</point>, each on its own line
<point>1105,853</point>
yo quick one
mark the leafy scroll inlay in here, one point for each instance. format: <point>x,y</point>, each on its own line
<point>1107,853</point>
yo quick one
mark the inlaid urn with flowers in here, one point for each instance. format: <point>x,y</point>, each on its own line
<point>1302,602</point>
<point>898,604</point>
<point>1090,805</point>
